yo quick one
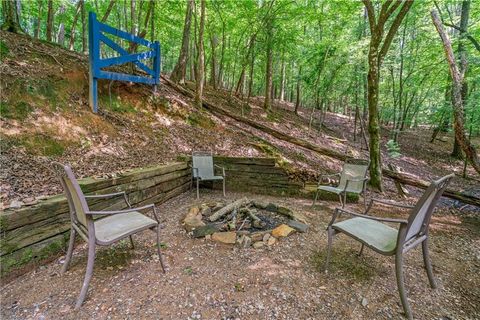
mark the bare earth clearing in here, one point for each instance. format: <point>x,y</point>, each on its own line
<point>206,280</point>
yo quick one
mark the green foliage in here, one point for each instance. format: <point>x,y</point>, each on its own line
<point>393,149</point>
<point>116,105</point>
<point>43,145</point>
<point>4,51</point>
<point>199,119</point>
<point>19,111</point>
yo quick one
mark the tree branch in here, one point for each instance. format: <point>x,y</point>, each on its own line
<point>475,43</point>
<point>393,28</point>
<point>371,14</point>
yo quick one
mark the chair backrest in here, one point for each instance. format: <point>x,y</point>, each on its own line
<point>421,214</point>
<point>354,169</point>
<point>76,200</point>
<point>203,161</point>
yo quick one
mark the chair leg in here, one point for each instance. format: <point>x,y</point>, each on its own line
<point>198,192</point>
<point>361,250</point>
<point>224,188</point>
<point>341,200</point>
<point>364,195</point>
<point>401,284</point>
<point>88,274</point>
<point>428,264</point>
<point>158,249</point>
<point>315,199</point>
<point>131,242</point>
<point>329,247</point>
<point>68,257</point>
<point>344,199</point>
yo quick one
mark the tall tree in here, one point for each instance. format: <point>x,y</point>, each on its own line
<point>111,4</point>
<point>180,70</point>
<point>74,25</point>
<point>50,20</point>
<point>380,41</point>
<point>457,95</point>
<point>61,28</point>
<point>200,67</point>
<point>269,63</point>
<point>11,20</point>
<point>84,28</point>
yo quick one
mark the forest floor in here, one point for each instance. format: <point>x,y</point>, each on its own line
<point>45,115</point>
<point>207,280</point>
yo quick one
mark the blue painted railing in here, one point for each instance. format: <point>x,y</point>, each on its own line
<point>96,36</point>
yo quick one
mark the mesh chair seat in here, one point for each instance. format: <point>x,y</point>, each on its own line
<point>118,226</point>
<point>374,234</point>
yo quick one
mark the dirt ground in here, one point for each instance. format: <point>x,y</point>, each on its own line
<point>206,280</point>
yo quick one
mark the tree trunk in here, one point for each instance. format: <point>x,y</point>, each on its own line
<point>252,67</point>
<point>222,57</point>
<point>180,70</point>
<point>36,34</point>
<point>376,53</point>
<point>84,29</point>
<point>50,20</point>
<point>109,10</point>
<point>268,69</point>
<point>282,79</point>
<point>61,28</point>
<point>457,87</point>
<point>297,103</point>
<point>133,29</point>
<point>74,24</point>
<point>245,62</point>
<point>200,61</point>
<point>133,45</point>
<point>11,17</point>
<point>213,67</point>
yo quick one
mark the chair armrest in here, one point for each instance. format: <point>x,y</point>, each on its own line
<point>220,167</point>
<point>149,206</point>
<point>387,203</point>
<point>339,211</point>
<point>328,175</point>
<point>110,195</point>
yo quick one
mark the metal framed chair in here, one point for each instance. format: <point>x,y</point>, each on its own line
<point>203,169</point>
<point>352,178</point>
<point>110,227</point>
<point>372,232</point>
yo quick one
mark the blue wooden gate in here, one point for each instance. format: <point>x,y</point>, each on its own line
<point>96,36</point>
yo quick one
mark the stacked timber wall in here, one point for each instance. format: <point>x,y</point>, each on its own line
<point>37,231</point>
<point>258,175</point>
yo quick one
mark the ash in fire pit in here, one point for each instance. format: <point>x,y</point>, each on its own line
<point>245,222</point>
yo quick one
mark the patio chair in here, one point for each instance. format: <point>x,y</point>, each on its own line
<point>372,232</point>
<point>203,169</point>
<point>353,179</point>
<point>100,228</point>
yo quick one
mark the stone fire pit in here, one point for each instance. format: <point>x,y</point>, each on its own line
<point>243,222</point>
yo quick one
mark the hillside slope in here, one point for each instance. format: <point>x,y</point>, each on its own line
<point>45,116</point>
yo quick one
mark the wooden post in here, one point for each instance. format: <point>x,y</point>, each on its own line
<point>93,51</point>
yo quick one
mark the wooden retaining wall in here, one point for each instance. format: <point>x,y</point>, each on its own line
<point>258,175</point>
<point>37,231</point>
